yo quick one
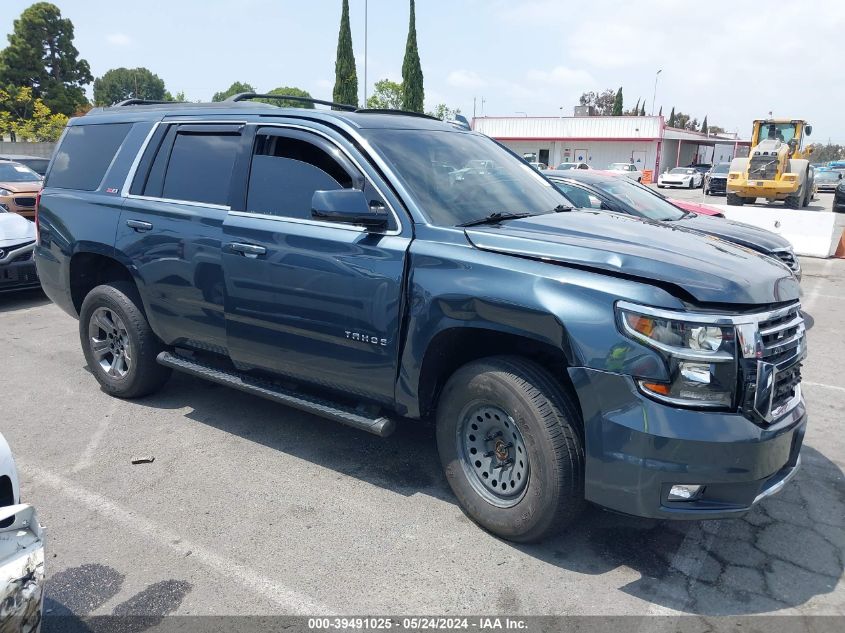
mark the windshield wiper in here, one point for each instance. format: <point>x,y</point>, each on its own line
<point>495,218</point>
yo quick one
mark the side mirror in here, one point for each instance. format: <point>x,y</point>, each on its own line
<point>808,129</point>
<point>347,206</point>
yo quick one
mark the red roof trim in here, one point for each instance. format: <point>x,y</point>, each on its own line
<point>644,139</point>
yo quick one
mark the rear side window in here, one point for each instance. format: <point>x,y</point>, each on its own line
<point>85,154</point>
<point>200,168</point>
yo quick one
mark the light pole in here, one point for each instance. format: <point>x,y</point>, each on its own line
<point>365,53</point>
<point>525,114</point>
<point>654,96</point>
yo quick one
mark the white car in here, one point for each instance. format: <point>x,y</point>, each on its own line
<point>681,177</point>
<point>21,553</point>
<point>565,166</point>
<point>626,169</point>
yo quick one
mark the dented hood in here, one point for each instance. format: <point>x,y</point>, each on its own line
<point>705,267</point>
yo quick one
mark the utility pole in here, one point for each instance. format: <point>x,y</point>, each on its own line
<point>654,95</point>
<point>473,107</point>
<point>365,53</point>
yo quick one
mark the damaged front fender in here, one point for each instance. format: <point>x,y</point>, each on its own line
<point>21,570</point>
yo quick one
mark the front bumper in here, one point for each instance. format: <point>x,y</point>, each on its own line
<point>717,185</point>
<point>21,570</point>
<point>839,202</point>
<point>17,270</point>
<point>776,189</point>
<point>20,203</point>
<point>673,183</point>
<point>637,449</point>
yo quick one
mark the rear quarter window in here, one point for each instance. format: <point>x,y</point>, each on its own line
<point>85,154</point>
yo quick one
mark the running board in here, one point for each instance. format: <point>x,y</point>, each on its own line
<point>378,425</point>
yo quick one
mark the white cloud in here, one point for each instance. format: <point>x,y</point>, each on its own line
<point>118,39</point>
<point>562,76</point>
<point>466,79</point>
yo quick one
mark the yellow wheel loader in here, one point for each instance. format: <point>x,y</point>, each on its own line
<point>777,167</point>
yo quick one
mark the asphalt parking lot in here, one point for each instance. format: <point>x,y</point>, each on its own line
<point>253,508</point>
<point>821,202</point>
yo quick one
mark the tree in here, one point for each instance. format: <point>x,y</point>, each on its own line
<point>413,92</point>
<point>642,109</point>
<point>618,103</point>
<point>293,92</point>
<point>635,111</point>
<point>41,56</point>
<point>236,88</point>
<point>824,153</point>
<point>179,97</point>
<point>715,129</point>
<point>119,84</point>
<point>603,102</point>
<point>673,121</point>
<point>25,117</point>
<point>444,112</point>
<point>704,125</point>
<point>693,125</point>
<point>386,96</point>
<point>661,111</point>
<point>345,75</point>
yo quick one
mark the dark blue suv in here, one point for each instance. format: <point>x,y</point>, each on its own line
<point>374,267</point>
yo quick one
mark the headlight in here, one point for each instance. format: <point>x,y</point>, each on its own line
<point>700,356</point>
<point>5,192</point>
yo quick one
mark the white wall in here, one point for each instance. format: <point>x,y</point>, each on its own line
<point>598,154</point>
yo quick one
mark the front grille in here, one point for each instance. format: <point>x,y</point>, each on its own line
<point>788,258</point>
<point>783,347</point>
<point>763,168</point>
<point>718,184</point>
<point>24,257</point>
<point>25,201</point>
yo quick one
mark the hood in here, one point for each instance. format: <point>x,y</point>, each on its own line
<point>717,176</point>
<point>706,268</point>
<point>15,229</point>
<point>21,187</point>
<point>736,232</point>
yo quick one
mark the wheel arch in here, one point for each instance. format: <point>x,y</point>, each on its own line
<point>87,270</point>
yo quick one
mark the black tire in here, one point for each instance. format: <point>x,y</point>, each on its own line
<point>549,425</point>
<point>734,200</point>
<point>794,202</point>
<point>121,303</point>
<point>692,183</point>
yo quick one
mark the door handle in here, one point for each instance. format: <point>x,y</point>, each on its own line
<point>139,225</point>
<point>248,250</point>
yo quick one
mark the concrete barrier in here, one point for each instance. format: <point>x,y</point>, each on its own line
<point>811,233</point>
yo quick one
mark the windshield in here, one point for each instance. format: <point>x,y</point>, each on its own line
<point>619,166</point>
<point>777,131</point>
<point>722,168</point>
<point>640,200</point>
<point>566,166</point>
<point>485,179</point>
<point>12,172</point>
<point>682,170</point>
<point>828,176</point>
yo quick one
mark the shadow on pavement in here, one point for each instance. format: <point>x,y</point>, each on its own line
<point>783,553</point>
<point>22,299</point>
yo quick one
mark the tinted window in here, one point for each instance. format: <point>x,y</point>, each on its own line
<point>85,154</point>
<point>579,197</point>
<point>200,168</point>
<point>639,199</point>
<point>285,174</point>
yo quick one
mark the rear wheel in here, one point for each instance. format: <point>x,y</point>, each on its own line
<point>118,344</point>
<point>508,441</point>
<point>734,200</point>
<point>795,201</point>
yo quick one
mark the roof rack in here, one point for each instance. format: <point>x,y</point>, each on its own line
<point>131,102</point>
<point>392,111</point>
<point>245,96</point>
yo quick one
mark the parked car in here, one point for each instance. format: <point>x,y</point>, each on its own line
<point>626,169</point>
<point>565,166</point>
<point>539,166</point>
<point>828,179</point>
<point>623,196</point>
<point>35,163</point>
<point>839,198</point>
<point>17,243</point>
<point>701,168</point>
<point>697,207</point>
<point>716,180</point>
<point>680,177</point>
<point>21,553</point>
<point>319,259</point>
<point>19,186</point>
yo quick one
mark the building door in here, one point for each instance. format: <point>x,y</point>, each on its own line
<point>639,159</point>
<point>544,156</point>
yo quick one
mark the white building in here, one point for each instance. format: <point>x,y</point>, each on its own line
<point>601,140</point>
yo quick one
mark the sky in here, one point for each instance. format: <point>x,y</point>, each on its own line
<point>732,60</point>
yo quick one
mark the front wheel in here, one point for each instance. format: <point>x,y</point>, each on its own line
<point>508,440</point>
<point>734,200</point>
<point>118,343</point>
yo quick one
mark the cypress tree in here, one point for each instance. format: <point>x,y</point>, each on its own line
<point>636,108</point>
<point>642,109</point>
<point>672,118</point>
<point>704,125</point>
<point>618,103</point>
<point>661,111</point>
<point>345,76</point>
<point>413,93</point>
